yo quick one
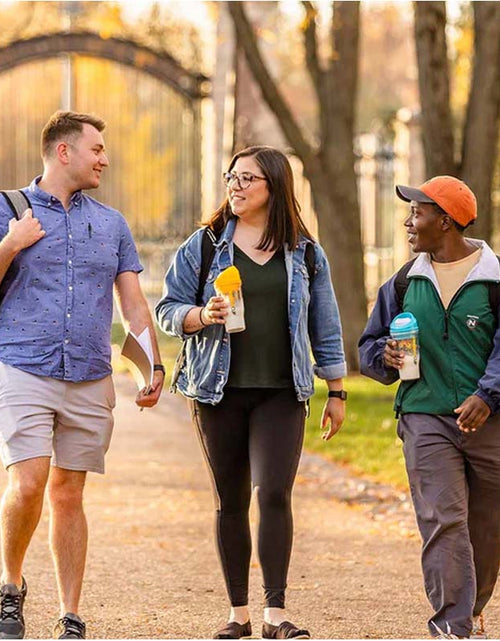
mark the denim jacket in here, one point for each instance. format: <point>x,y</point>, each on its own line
<point>313,314</point>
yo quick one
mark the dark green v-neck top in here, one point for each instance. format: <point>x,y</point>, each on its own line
<point>261,355</point>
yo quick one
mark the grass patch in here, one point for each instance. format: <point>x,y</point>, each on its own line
<point>367,442</point>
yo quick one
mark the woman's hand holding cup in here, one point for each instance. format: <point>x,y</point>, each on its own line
<point>215,311</point>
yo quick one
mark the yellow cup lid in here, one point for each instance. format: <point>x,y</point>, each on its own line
<point>228,280</point>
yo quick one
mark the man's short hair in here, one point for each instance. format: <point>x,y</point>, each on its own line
<point>458,226</point>
<point>64,124</point>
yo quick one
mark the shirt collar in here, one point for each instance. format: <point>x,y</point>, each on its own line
<point>46,198</point>
<point>227,233</point>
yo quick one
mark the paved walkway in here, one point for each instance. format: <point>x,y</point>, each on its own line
<point>152,568</point>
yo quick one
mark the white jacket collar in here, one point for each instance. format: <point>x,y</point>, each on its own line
<point>487,268</point>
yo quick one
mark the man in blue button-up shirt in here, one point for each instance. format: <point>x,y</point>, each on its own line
<point>59,265</point>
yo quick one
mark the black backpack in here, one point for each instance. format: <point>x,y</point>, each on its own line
<point>401,285</point>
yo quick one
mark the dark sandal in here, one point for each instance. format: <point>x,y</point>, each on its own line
<point>234,630</point>
<point>285,630</point>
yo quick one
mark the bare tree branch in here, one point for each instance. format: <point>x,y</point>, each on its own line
<point>273,97</point>
<point>311,47</point>
<point>331,168</point>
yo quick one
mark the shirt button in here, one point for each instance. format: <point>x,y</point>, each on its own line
<point>70,262</point>
<point>293,300</point>
<point>68,315</point>
<point>70,288</point>
<point>70,236</point>
<point>66,340</point>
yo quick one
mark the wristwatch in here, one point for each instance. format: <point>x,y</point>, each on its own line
<point>342,394</point>
<point>158,367</point>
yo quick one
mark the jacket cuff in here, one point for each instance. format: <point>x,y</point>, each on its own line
<point>330,372</point>
<point>487,399</point>
<point>178,321</point>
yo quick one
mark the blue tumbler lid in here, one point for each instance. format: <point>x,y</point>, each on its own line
<point>404,323</point>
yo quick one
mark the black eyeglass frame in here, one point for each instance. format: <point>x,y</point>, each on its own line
<point>228,177</point>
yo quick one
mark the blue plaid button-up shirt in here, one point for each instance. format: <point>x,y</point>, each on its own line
<point>56,300</point>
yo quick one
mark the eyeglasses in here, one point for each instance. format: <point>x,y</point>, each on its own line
<point>243,180</point>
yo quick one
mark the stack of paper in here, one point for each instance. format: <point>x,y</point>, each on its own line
<point>138,350</point>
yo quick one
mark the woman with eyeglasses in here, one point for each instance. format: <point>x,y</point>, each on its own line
<point>248,391</point>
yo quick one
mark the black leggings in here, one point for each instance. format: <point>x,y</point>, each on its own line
<point>253,437</point>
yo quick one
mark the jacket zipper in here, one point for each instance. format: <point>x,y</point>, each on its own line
<point>446,311</point>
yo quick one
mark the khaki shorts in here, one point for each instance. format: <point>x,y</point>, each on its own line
<point>41,416</point>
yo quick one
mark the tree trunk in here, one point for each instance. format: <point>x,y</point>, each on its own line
<point>480,135</point>
<point>483,109</point>
<point>434,86</point>
<point>340,234</point>
<point>329,168</point>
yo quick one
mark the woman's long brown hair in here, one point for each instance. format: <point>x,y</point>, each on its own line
<point>284,223</point>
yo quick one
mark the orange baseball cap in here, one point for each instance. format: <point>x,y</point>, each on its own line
<point>451,194</point>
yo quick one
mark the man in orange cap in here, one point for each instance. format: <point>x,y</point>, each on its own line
<point>448,417</point>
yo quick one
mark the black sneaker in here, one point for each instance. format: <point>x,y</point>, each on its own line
<point>70,626</point>
<point>11,610</point>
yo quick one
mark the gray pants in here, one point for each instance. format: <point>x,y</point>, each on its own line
<point>455,487</point>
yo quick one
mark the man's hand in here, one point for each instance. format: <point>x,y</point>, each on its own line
<point>392,356</point>
<point>24,232</point>
<point>333,413</point>
<point>472,414</point>
<point>150,400</point>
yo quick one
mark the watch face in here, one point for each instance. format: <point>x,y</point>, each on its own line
<point>342,394</point>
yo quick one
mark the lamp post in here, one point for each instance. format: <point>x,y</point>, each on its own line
<point>69,11</point>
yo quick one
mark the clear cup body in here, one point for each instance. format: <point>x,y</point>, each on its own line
<point>235,320</point>
<point>407,343</point>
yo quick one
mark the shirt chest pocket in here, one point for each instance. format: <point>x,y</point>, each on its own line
<point>99,252</point>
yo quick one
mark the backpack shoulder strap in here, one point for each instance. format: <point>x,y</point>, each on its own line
<point>208,242</point>
<point>309,259</point>
<point>401,285</point>
<point>401,281</point>
<point>17,201</point>
<point>494,296</point>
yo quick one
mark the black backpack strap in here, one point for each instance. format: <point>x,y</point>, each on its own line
<point>494,296</point>
<point>310,260</point>
<point>17,201</point>
<point>208,243</point>
<point>401,282</point>
<point>401,285</point>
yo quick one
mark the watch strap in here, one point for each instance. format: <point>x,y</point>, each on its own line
<point>342,394</point>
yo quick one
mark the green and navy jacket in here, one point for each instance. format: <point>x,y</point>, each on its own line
<point>459,346</point>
